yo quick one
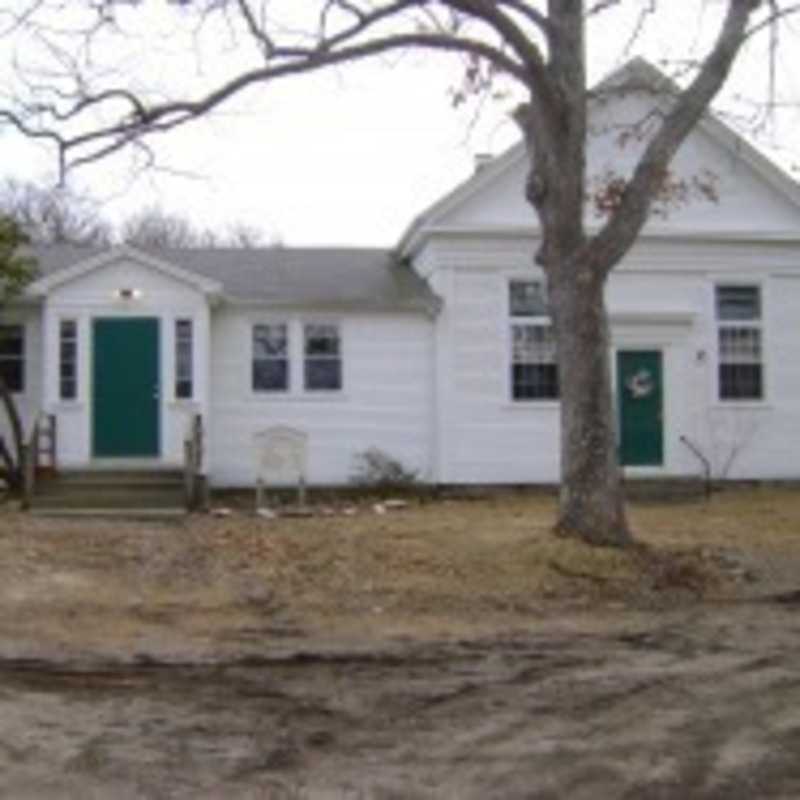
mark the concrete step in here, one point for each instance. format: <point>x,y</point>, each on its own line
<point>59,487</point>
<point>124,477</point>
<point>107,491</point>
<point>111,513</point>
<point>108,499</point>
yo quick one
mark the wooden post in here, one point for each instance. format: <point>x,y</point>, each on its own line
<point>28,470</point>
<point>188,473</point>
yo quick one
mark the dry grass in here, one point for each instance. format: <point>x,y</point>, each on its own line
<point>449,566</point>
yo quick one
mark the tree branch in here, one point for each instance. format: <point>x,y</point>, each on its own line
<point>165,116</point>
<point>625,224</point>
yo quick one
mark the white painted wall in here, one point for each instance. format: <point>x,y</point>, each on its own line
<point>661,298</point>
<point>386,400</point>
<point>91,296</point>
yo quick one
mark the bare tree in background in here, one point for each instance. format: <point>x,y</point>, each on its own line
<point>53,215</point>
<point>537,47</point>
<point>153,227</point>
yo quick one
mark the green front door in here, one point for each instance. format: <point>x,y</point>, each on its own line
<point>125,387</point>
<point>640,399</point>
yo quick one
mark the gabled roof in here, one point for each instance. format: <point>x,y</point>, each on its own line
<point>636,74</point>
<point>335,278</point>
<point>59,265</point>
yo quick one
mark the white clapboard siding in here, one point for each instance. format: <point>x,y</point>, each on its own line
<point>386,401</point>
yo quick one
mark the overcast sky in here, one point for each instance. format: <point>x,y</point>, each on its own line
<point>349,157</point>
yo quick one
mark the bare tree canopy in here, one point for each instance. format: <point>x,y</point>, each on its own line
<point>53,215</point>
<point>538,49</point>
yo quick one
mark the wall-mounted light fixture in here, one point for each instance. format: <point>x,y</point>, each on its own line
<point>128,293</point>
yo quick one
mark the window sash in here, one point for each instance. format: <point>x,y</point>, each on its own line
<point>184,359</point>
<point>740,367</point>
<point>738,303</point>
<point>741,381</point>
<point>534,369</point>
<point>270,363</point>
<point>322,363</point>
<point>12,357</point>
<point>68,359</point>
<point>527,298</point>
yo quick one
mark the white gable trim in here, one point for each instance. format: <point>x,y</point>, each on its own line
<point>647,75</point>
<point>45,285</point>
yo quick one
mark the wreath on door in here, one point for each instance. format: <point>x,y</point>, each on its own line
<point>640,384</point>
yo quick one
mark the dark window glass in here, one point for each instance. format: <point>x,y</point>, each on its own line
<point>740,381</point>
<point>534,382</point>
<point>534,374</point>
<point>12,357</point>
<point>68,356</point>
<point>323,362</point>
<point>740,362</point>
<point>184,359</point>
<point>270,358</point>
<point>527,299</point>
<point>738,303</point>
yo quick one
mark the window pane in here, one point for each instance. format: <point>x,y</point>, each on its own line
<point>534,382</point>
<point>270,375</point>
<point>183,388</point>
<point>68,388</point>
<point>322,340</point>
<point>11,340</point>
<point>68,350</point>
<point>323,373</point>
<point>269,341</point>
<point>740,381</point>
<point>68,329</point>
<point>740,345</point>
<point>184,364</point>
<point>527,299</point>
<point>12,371</point>
<point>533,344</point>
<point>68,355</point>
<point>738,303</point>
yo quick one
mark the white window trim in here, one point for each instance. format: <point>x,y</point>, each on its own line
<point>70,401</point>
<point>509,320</point>
<point>295,331</point>
<point>760,324</point>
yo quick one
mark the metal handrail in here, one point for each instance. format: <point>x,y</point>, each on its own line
<point>698,453</point>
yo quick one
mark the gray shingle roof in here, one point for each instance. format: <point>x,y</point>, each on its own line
<point>347,278</point>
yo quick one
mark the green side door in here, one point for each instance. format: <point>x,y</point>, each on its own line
<point>125,388</point>
<point>640,400</point>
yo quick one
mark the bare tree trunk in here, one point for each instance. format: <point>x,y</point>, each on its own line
<point>592,505</point>
<point>17,434</point>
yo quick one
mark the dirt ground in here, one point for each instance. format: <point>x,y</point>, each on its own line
<point>448,650</point>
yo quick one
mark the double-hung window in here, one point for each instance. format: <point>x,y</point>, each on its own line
<point>12,357</point>
<point>322,358</point>
<point>534,372</point>
<point>740,343</point>
<point>271,357</point>
<point>68,359</point>
<point>297,357</point>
